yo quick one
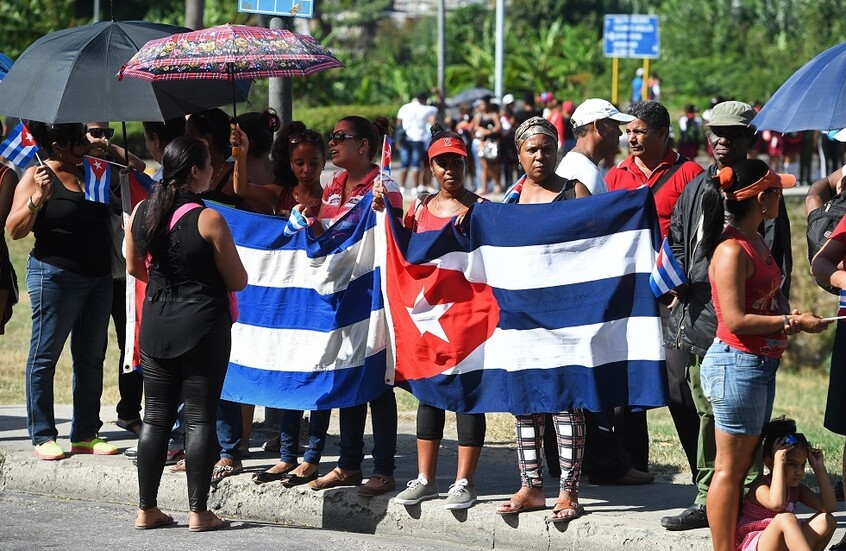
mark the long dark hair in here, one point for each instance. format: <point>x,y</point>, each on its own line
<point>372,131</point>
<point>714,205</point>
<point>179,157</point>
<point>259,128</point>
<point>282,149</point>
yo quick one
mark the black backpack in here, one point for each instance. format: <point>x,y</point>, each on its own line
<point>821,223</point>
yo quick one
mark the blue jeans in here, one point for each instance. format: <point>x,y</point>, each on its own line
<point>66,304</point>
<point>230,431</point>
<point>383,414</point>
<point>410,154</point>
<point>289,435</point>
<point>740,386</point>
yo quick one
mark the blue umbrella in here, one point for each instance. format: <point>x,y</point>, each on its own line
<point>5,65</point>
<point>814,98</point>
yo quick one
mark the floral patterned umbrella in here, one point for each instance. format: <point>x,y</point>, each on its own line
<point>230,52</point>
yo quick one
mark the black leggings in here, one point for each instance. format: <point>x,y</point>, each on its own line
<point>430,425</point>
<point>199,375</point>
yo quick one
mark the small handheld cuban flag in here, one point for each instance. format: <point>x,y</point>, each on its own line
<point>296,222</point>
<point>98,177</point>
<point>668,273</point>
<point>841,306</point>
<point>20,147</point>
<point>387,152</point>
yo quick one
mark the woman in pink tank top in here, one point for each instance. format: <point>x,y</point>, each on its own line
<point>753,321</point>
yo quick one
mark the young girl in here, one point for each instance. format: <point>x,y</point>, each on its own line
<point>767,518</point>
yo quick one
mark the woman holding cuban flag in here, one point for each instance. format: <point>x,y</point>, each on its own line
<point>353,145</point>
<point>537,147</point>
<point>448,164</point>
<point>70,287</point>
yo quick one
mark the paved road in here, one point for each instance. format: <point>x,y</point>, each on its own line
<point>38,522</point>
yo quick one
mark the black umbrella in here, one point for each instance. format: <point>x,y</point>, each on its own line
<point>469,96</point>
<point>69,76</point>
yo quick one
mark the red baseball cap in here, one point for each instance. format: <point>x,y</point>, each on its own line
<point>447,144</point>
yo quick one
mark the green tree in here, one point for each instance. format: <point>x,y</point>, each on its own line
<point>22,22</point>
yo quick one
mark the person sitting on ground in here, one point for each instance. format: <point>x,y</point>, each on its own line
<point>185,334</point>
<point>537,146</point>
<point>768,520</point>
<point>447,161</point>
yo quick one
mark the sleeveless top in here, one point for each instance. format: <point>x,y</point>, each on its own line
<point>72,233</point>
<point>754,518</point>
<point>217,194</point>
<point>761,297</point>
<point>186,295</point>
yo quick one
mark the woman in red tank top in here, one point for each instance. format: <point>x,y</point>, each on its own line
<point>753,321</point>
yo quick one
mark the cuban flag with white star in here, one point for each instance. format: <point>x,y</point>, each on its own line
<point>311,332</point>
<point>19,147</point>
<point>529,317</point>
<point>98,178</point>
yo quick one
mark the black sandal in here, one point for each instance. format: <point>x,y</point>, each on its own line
<point>291,480</point>
<point>264,477</point>
<point>133,426</point>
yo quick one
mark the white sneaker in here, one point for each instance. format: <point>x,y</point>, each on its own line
<point>419,489</point>
<point>460,495</point>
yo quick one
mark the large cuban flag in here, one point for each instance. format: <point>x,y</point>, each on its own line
<point>542,308</point>
<point>311,332</point>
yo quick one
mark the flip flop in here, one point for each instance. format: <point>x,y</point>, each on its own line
<point>216,523</point>
<point>574,509</point>
<point>164,520</point>
<point>521,507</point>
<point>224,471</point>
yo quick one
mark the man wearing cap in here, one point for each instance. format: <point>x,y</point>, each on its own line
<point>596,125</point>
<point>652,162</point>
<point>693,323</point>
<point>414,118</point>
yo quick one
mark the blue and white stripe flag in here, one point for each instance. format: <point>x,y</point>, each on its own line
<point>19,147</point>
<point>98,178</point>
<point>296,222</point>
<point>667,273</point>
<point>544,317</point>
<point>311,332</point>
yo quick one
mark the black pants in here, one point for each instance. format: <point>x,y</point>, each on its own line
<point>431,420</point>
<point>199,375</point>
<point>130,384</point>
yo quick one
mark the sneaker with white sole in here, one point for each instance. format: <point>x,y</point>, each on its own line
<point>49,451</point>
<point>460,495</point>
<point>95,446</point>
<point>419,489</point>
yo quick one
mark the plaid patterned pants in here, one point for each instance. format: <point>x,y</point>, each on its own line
<point>570,428</point>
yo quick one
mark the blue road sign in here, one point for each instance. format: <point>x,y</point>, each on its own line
<point>279,8</point>
<point>631,36</point>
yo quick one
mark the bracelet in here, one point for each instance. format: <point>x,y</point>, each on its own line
<point>786,322</point>
<point>31,206</point>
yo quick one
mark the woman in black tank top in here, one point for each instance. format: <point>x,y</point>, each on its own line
<point>70,286</point>
<point>186,327</point>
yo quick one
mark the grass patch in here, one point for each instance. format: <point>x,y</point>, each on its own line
<point>802,379</point>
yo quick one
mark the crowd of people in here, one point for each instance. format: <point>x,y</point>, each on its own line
<point>724,331</point>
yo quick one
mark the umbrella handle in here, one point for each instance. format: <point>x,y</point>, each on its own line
<point>236,151</point>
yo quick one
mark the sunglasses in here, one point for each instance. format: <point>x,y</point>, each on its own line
<point>312,136</point>
<point>101,132</point>
<point>339,137</point>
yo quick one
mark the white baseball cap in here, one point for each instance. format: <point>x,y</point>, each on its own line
<point>595,109</point>
<point>508,99</point>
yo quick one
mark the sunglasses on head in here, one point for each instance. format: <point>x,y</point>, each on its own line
<point>339,137</point>
<point>101,132</point>
<point>310,136</point>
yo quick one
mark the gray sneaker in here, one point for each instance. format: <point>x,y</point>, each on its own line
<point>460,495</point>
<point>418,490</point>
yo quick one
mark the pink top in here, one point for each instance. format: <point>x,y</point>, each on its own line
<point>754,518</point>
<point>332,209</point>
<point>761,294</point>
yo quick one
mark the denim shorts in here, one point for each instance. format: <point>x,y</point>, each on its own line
<point>411,153</point>
<point>740,387</point>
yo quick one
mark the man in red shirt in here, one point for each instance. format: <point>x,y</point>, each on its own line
<point>620,440</point>
<point>652,161</point>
